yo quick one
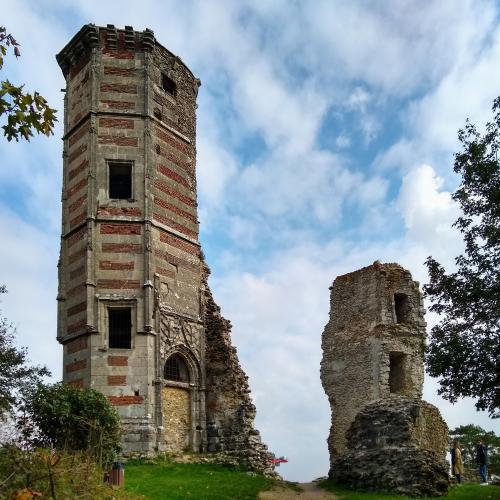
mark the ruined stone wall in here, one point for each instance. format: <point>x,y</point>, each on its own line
<point>230,411</point>
<point>364,337</point>
<point>396,445</point>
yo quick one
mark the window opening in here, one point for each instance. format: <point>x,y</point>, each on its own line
<point>168,84</point>
<point>402,307</point>
<point>120,181</point>
<point>397,372</point>
<point>120,327</point>
<point>176,369</point>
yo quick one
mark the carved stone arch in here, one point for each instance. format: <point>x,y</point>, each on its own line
<point>182,404</point>
<point>195,375</point>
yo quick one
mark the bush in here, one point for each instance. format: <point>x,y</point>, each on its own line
<point>68,418</point>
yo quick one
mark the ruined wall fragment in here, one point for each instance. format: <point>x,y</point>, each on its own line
<point>396,445</point>
<point>373,344</point>
<point>382,436</point>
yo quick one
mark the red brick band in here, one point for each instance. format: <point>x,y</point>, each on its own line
<point>118,141</point>
<point>76,366</point>
<point>77,309</point>
<point>76,345</point>
<point>78,326</point>
<point>174,176</point>
<point>165,188</point>
<point>79,185</point>
<point>77,236</point>
<point>121,248</point>
<point>165,137</point>
<point>117,360</point>
<point>175,209</point>
<point>121,88</point>
<point>121,123</point>
<point>175,225</point>
<point>125,400</point>
<point>76,136</point>
<point>120,229</point>
<point>80,168</point>
<point>106,103</point>
<point>117,380</point>
<point>78,203</point>
<point>179,243</point>
<point>76,153</point>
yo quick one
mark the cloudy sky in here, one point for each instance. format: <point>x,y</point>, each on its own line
<point>326,132</point>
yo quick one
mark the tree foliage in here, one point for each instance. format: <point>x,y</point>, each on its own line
<point>24,112</point>
<point>69,418</point>
<point>15,372</point>
<point>468,435</point>
<point>464,348</point>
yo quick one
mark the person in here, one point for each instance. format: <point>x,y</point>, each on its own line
<point>457,466</point>
<point>482,461</point>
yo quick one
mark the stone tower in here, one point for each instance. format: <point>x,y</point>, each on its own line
<point>373,344</point>
<point>135,315</point>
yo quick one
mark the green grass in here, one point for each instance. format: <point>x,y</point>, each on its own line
<point>197,481</point>
<point>464,492</point>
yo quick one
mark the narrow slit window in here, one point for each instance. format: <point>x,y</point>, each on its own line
<point>120,181</point>
<point>397,372</point>
<point>402,307</point>
<point>120,327</point>
<point>168,84</point>
<point>176,369</point>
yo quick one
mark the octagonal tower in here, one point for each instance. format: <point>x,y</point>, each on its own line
<point>130,264</point>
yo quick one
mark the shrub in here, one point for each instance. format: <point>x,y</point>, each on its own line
<point>68,418</point>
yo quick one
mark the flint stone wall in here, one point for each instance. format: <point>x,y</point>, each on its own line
<point>362,332</point>
<point>396,445</point>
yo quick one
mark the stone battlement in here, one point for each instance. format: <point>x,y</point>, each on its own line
<point>112,39</point>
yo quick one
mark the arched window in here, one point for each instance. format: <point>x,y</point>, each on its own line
<point>176,369</point>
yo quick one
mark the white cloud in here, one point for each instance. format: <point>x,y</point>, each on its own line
<point>428,212</point>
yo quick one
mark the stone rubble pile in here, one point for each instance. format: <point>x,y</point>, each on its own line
<point>395,445</point>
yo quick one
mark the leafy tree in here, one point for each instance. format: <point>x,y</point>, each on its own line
<point>23,111</point>
<point>15,373</point>
<point>69,418</point>
<point>464,348</point>
<point>468,436</point>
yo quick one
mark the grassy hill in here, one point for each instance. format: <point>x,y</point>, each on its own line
<point>163,479</point>
<point>171,480</point>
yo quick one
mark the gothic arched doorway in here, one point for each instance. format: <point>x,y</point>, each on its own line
<point>176,402</point>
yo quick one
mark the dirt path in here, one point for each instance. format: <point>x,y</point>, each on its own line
<point>310,491</point>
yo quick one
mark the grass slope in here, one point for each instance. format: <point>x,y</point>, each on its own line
<point>464,492</point>
<point>197,481</point>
